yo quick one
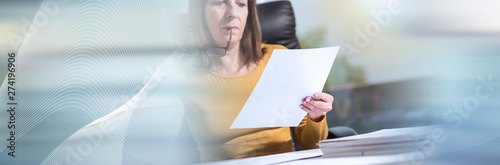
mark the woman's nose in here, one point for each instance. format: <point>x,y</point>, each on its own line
<point>232,11</point>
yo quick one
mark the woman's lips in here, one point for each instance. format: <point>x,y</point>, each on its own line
<point>228,28</point>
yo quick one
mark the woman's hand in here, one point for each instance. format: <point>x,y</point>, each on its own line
<point>317,106</point>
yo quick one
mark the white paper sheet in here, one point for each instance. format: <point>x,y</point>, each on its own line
<point>406,158</point>
<point>289,77</point>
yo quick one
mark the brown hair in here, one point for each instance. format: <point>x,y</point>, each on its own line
<point>251,40</point>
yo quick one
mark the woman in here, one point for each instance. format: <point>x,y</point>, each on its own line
<point>226,80</point>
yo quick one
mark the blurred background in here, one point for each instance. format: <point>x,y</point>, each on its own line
<point>402,63</point>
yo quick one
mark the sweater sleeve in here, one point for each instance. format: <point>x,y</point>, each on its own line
<point>310,132</point>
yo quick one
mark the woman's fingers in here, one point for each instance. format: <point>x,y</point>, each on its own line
<point>323,96</point>
<point>306,108</point>
<point>317,104</point>
<point>312,111</point>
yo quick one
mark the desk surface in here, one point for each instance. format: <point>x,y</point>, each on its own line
<point>314,157</point>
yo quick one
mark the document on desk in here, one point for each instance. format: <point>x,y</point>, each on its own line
<point>290,76</point>
<point>383,142</point>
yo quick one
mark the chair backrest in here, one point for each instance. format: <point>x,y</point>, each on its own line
<point>277,21</point>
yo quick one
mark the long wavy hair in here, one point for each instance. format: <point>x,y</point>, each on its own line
<point>251,40</point>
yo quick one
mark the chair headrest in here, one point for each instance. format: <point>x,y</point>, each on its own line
<point>277,21</point>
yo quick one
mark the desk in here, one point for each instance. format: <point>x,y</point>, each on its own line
<point>314,157</point>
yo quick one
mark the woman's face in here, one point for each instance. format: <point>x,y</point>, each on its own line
<point>223,16</point>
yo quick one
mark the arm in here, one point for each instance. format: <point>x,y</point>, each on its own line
<point>313,127</point>
<point>310,132</point>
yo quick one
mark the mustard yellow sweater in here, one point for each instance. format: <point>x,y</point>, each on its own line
<point>215,102</point>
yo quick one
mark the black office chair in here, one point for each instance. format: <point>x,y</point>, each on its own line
<point>277,21</point>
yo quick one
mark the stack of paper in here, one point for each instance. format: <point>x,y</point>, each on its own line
<point>383,142</point>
